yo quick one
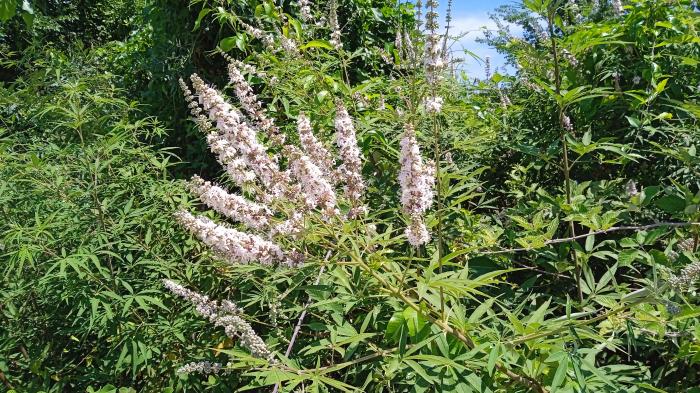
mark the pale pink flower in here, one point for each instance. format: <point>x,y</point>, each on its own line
<point>225,315</point>
<point>234,246</point>
<point>433,105</point>
<point>350,171</point>
<point>305,10</point>
<point>487,67</point>
<point>230,159</point>
<point>335,26</point>
<point>317,192</point>
<point>315,149</point>
<point>293,226</point>
<point>251,105</point>
<point>617,7</point>
<point>266,38</point>
<point>233,206</point>
<point>566,122</point>
<point>417,181</point>
<point>289,45</point>
<point>416,232</point>
<point>204,368</point>
<point>239,136</point>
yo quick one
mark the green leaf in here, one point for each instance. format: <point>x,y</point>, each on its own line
<point>227,43</point>
<point>626,257</point>
<point>661,86</point>
<point>204,12</point>
<point>318,44</point>
<point>560,374</point>
<point>671,203</point>
<point>634,122</point>
<point>395,323</point>
<point>586,138</point>
<point>418,369</point>
<point>415,321</point>
<point>7,9</point>
<point>493,358</point>
<point>650,387</point>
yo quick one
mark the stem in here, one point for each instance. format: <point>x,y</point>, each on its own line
<point>436,133</point>
<point>297,327</point>
<point>565,147</point>
<point>602,231</point>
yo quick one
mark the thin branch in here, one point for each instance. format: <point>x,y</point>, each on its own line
<point>599,232</point>
<point>300,321</point>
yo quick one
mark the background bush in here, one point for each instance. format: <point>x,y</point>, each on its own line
<point>94,137</point>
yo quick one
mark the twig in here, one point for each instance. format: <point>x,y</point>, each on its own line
<point>585,235</point>
<point>301,318</point>
<point>5,381</point>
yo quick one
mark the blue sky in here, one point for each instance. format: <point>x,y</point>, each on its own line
<point>471,16</point>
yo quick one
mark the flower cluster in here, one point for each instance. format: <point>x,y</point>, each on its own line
<point>419,13</point>
<point>305,10</point>
<point>334,26</point>
<point>487,67</point>
<point>686,278</point>
<point>617,7</point>
<point>687,244</point>
<point>417,181</point>
<point>202,121</point>
<point>289,45</point>
<point>433,104</point>
<point>525,81</point>
<point>317,191</point>
<point>350,171</point>
<point>505,101</point>
<point>233,206</point>
<point>251,105</point>
<point>566,123</point>
<point>267,39</point>
<point>315,149</point>
<point>616,81</point>
<point>409,50</point>
<point>569,57</point>
<point>204,367</point>
<point>234,246</point>
<point>225,315</point>
<point>433,61</point>
<point>573,7</point>
<point>245,67</point>
<point>242,140</point>
<point>235,166</point>
<point>307,183</point>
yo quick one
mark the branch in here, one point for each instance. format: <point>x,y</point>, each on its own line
<point>599,232</point>
<point>301,318</point>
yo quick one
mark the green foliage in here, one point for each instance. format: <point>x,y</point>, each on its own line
<point>86,233</point>
<point>567,206</point>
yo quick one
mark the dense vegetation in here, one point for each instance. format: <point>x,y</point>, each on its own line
<point>383,222</point>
